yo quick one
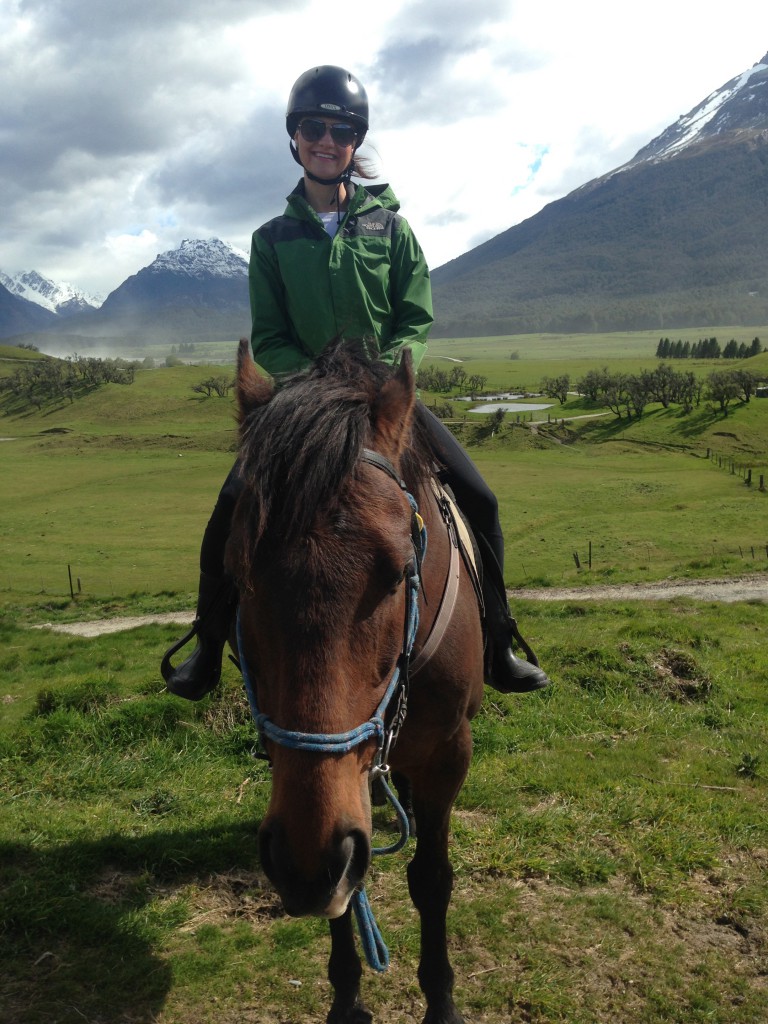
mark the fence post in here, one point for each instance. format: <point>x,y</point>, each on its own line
<point>71,588</point>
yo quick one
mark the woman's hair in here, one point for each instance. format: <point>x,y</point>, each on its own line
<point>362,167</point>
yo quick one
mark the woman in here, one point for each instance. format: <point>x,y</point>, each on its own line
<point>341,261</point>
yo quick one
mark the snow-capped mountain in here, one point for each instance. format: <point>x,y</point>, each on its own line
<point>202,257</point>
<point>205,273</point>
<point>58,297</point>
<point>673,238</point>
<point>738,107</point>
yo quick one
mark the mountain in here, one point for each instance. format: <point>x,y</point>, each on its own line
<point>196,293</point>
<point>673,238</point>
<point>203,273</point>
<point>20,316</point>
<point>59,298</point>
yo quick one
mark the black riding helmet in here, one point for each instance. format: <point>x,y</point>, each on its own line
<point>327,91</point>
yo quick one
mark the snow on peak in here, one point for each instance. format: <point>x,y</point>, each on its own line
<point>58,297</point>
<point>739,105</point>
<point>199,257</point>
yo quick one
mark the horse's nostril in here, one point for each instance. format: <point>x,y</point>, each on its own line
<point>359,855</point>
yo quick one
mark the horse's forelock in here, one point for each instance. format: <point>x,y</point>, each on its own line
<point>298,450</point>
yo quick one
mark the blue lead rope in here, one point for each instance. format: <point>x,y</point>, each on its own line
<point>374,947</point>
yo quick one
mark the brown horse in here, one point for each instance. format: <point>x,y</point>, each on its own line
<point>326,553</point>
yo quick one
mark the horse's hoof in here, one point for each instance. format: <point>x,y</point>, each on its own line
<point>356,1014</point>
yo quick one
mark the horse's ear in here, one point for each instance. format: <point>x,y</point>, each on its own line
<point>252,388</point>
<point>393,409</point>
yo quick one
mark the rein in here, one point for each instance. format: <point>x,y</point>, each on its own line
<point>384,725</point>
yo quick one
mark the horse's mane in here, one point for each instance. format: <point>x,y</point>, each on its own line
<point>299,449</point>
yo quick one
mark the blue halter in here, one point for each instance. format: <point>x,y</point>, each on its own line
<point>384,724</point>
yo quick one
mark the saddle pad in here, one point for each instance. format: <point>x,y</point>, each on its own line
<point>466,541</point>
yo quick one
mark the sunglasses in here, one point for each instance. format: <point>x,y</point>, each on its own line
<point>313,130</point>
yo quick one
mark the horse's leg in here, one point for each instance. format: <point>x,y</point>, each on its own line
<point>404,790</point>
<point>344,971</point>
<point>430,878</point>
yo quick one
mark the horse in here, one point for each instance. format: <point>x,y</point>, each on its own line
<point>338,601</point>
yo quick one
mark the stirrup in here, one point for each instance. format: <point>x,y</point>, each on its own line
<point>166,668</point>
<point>522,642</point>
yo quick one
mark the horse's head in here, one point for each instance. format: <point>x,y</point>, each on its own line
<point>322,548</point>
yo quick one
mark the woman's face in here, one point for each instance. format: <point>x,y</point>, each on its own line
<point>324,158</point>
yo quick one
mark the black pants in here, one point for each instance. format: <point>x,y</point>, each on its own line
<point>476,500</point>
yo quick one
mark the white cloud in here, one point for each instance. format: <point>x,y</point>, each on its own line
<point>123,132</point>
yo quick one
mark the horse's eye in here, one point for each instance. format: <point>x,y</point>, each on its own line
<point>397,582</point>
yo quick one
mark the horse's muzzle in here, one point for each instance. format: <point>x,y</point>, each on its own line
<point>336,871</point>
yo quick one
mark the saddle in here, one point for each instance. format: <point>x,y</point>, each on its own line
<point>464,545</point>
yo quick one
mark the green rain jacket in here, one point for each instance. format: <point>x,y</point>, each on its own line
<point>370,280</point>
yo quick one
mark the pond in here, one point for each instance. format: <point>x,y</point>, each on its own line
<point>512,407</point>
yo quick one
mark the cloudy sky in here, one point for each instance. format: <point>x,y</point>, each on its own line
<point>129,125</point>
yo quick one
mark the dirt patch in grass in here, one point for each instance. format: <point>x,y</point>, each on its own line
<point>678,677</point>
<point>235,896</point>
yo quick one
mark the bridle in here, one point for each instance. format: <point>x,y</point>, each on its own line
<point>385,723</point>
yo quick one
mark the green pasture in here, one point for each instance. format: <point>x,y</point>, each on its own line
<point>609,846</point>
<point>116,488</point>
<point>610,843</point>
<point>573,347</point>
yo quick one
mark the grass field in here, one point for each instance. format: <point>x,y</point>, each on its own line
<point>610,846</point>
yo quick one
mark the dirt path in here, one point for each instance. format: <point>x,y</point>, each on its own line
<point>99,627</point>
<point>742,588</point>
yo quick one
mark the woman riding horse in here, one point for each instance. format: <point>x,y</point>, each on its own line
<point>341,260</point>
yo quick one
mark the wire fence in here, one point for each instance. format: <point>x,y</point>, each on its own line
<point>87,578</point>
<point>751,475</point>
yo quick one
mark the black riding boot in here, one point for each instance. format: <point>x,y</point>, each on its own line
<point>504,671</point>
<point>507,673</point>
<point>201,671</point>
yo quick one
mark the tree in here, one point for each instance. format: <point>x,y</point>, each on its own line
<point>458,377</point>
<point>710,349</point>
<point>722,387</point>
<point>591,384</point>
<point>476,383</point>
<point>663,384</point>
<point>556,387</point>
<point>213,385</point>
<point>689,391</point>
<point>615,392</point>
<point>496,419</point>
<point>746,381</point>
<point>637,393</point>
